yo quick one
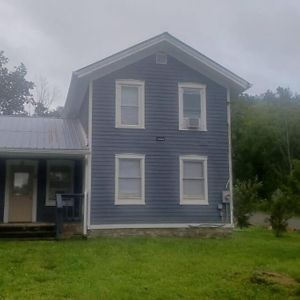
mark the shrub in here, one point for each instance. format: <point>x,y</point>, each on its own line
<point>245,199</point>
<point>281,207</point>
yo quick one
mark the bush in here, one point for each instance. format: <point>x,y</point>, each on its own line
<point>245,199</point>
<point>281,208</point>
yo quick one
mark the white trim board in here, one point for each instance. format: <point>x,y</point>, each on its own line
<point>230,156</point>
<point>88,169</point>
<point>8,164</point>
<point>160,225</point>
<point>42,152</point>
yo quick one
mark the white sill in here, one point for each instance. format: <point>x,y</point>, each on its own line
<point>129,202</point>
<point>131,126</point>
<point>193,202</point>
<point>200,129</point>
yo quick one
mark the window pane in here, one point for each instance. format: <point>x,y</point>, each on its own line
<point>21,186</point>
<point>60,181</point>
<point>130,96</point>
<point>130,187</point>
<point>193,169</point>
<point>191,103</point>
<point>129,168</point>
<point>193,188</point>
<point>130,115</point>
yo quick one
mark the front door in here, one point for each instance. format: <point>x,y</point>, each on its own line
<point>21,191</point>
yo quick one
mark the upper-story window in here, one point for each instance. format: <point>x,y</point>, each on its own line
<point>130,103</point>
<point>192,106</point>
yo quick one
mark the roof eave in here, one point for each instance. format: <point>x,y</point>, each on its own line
<point>81,77</point>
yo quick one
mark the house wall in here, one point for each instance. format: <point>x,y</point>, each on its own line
<point>162,158</point>
<point>44,213</point>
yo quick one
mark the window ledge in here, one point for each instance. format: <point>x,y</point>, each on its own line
<point>130,202</point>
<point>187,129</point>
<point>130,126</point>
<point>193,202</point>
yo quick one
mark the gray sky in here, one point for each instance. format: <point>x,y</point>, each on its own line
<point>258,39</point>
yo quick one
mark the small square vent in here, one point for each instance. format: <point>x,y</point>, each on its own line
<point>161,58</point>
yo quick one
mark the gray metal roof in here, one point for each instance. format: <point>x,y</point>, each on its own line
<point>41,134</point>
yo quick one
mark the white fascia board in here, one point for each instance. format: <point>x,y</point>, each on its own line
<point>43,152</point>
<point>165,37</point>
<point>166,42</point>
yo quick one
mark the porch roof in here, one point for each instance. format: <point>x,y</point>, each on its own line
<point>40,135</point>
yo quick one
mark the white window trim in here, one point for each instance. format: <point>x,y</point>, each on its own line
<point>202,87</point>
<point>141,88</point>
<point>131,201</point>
<point>193,201</point>
<point>50,163</point>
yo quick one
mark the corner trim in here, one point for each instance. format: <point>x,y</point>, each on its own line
<point>230,156</point>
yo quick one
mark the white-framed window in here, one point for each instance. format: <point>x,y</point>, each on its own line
<point>193,180</point>
<point>60,179</point>
<point>129,179</point>
<point>192,106</point>
<point>130,104</point>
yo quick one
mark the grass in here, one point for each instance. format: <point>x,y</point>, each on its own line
<point>150,268</point>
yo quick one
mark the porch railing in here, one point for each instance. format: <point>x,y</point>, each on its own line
<point>68,210</point>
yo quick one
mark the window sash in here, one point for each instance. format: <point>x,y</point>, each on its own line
<point>56,186</point>
<point>189,110</point>
<point>129,111</point>
<point>129,185</point>
<point>193,182</point>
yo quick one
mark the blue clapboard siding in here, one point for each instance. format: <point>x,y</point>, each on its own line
<point>162,158</point>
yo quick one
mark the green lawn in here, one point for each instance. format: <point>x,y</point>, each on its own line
<point>150,268</point>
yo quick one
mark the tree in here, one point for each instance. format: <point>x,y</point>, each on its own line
<point>44,98</point>
<point>266,137</point>
<point>15,90</point>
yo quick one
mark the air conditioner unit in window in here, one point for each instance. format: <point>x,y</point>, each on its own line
<point>192,123</point>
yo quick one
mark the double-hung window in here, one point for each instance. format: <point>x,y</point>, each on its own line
<point>130,102</point>
<point>192,106</point>
<point>193,180</point>
<point>60,179</point>
<point>129,179</point>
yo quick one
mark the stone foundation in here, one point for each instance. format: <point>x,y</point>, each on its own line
<point>72,229</point>
<point>202,232</point>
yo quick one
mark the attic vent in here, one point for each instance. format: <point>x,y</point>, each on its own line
<point>161,58</point>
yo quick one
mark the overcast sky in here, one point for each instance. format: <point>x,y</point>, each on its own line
<point>258,39</point>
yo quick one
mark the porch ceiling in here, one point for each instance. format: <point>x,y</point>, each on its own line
<point>40,135</point>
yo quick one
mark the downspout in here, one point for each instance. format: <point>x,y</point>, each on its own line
<point>230,157</point>
<point>88,165</point>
